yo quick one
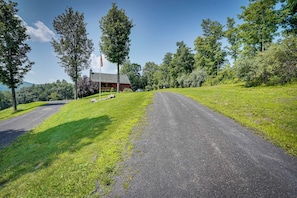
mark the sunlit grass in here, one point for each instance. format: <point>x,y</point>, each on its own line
<point>21,109</point>
<point>74,153</point>
<point>271,111</point>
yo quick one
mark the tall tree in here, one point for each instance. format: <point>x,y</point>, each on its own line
<point>233,38</point>
<point>181,63</point>
<point>289,15</point>
<point>260,25</point>
<point>165,70</point>
<point>149,72</point>
<point>73,48</point>
<point>14,63</point>
<point>115,43</point>
<point>210,54</point>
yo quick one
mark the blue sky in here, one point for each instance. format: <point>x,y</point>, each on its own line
<point>158,26</point>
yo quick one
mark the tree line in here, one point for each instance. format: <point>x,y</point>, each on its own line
<point>256,57</point>
<point>59,90</point>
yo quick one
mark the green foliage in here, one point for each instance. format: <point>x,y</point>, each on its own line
<point>195,79</point>
<point>150,73</point>
<point>74,153</point>
<point>73,48</point>
<point>132,70</point>
<point>14,63</point>
<point>164,81</point>
<point>148,88</point>
<point>127,90</point>
<point>277,65</point>
<point>289,16</point>
<point>5,100</point>
<point>232,35</point>
<point>182,63</point>
<point>210,54</point>
<point>115,43</point>
<point>43,92</point>
<point>260,25</point>
<point>270,111</point>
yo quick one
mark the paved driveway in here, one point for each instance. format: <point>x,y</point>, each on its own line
<point>12,128</point>
<point>187,150</point>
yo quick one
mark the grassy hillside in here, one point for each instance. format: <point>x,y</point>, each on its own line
<point>22,109</point>
<point>270,111</point>
<point>74,153</point>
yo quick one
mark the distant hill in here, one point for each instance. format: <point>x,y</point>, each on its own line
<point>25,84</point>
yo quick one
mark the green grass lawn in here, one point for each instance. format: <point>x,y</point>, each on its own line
<point>74,153</point>
<point>22,109</point>
<point>270,111</point>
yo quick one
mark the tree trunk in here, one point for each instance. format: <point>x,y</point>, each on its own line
<point>118,81</point>
<point>75,89</point>
<point>14,104</point>
<point>75,82</point>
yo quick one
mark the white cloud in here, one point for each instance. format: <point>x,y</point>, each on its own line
<point>32,72</point>
<point>40,32</point>
<point>108,67</point>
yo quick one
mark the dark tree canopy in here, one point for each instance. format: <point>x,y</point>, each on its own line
<point>14,63</point>
<point>73,48</point>
<point>115,43</point>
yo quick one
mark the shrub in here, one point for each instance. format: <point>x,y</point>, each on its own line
<point>148,88</point>
<point>197,77</point>
<point>277,65</point>
<point>127,90</point>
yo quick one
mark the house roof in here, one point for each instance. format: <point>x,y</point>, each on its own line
<point>109,78</point>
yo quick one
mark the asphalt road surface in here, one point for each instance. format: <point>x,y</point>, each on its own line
<point>14,127</point>
<point>188,150</point>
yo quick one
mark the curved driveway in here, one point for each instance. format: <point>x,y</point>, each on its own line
<point>190,151</point>
<point>14,127</point>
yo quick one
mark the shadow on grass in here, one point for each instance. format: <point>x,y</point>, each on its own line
<point>31,152</point>
<point>7,136</point>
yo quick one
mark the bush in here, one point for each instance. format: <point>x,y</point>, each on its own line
<point>277,65</point>
<point>197,77</point>
<point>127,90</point>
<point>148,88</point>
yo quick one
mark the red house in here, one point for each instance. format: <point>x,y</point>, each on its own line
<point>110,80</point>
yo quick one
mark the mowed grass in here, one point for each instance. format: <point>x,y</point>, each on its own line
<point>74,153</point>
<point>21,109</point>
<point>270,111</point>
